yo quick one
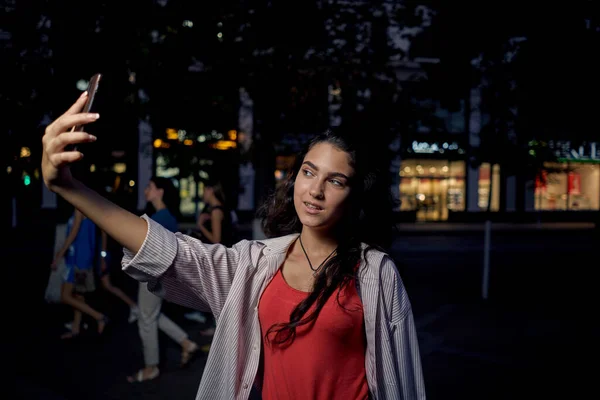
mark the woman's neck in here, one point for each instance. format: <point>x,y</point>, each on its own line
<point>159,205</point>
<point>318,243</point>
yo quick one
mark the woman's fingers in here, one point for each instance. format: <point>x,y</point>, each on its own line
<point>59,143</point>
<point>66,122</point>
<point>78,105</point>
<point>65,157</point>
<point>71,118</point>
<point>55,148</point>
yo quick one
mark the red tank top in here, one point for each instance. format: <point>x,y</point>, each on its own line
<point>327,358</point>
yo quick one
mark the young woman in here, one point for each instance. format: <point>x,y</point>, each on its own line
<point>314,312</point>
<point>214,222</point>
<point>163,196</point>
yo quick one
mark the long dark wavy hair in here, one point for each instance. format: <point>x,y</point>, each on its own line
<point>369,221</point>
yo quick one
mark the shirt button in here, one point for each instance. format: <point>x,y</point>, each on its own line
<point>245,386</point>
<point>254,347</point>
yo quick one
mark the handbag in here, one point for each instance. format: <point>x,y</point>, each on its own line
<point>56,278</point>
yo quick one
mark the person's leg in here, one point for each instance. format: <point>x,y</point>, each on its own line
<point>149,305</point>
<point>68,298</point>
<point>77,315</point>
<point>174,331</point>
<point>75,325</point>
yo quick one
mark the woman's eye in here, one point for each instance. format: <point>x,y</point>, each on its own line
<point>336,182</point>
<point>307,172</point>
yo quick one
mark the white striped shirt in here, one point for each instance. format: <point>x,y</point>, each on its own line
<point>229,283</point>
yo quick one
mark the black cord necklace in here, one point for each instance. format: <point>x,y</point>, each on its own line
<point>315,270</point>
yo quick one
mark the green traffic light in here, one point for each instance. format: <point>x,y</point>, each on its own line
<point>26,180</point>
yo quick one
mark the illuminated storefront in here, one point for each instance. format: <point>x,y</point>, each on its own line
<point>489,178</point>
<point>568,186</point>
<point>433,181</point>
<point>432,188</point>
<point>573,183</point>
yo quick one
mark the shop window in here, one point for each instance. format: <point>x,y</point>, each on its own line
<point>432,188</point>
<point>187,192</point>
<point>568,186</point>
<point>186,186</point>
<point>483,190</point>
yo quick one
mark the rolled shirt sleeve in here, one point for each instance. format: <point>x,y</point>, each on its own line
<point>182,269</point>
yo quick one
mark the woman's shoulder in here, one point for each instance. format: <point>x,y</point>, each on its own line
<point>218,209</point>
<point>371,252</point>
<point>379,262</point>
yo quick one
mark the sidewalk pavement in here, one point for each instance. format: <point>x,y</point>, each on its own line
<point>492,351</point>
<point>525,342</point>
<point>469,351</point>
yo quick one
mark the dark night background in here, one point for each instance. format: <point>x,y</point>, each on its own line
<point>514,83</point>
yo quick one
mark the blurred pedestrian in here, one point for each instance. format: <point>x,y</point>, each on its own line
<point>79,251</point>
<point>163,196</point>
<point>215,222</point>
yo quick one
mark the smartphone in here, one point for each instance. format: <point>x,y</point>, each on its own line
<point>91,89</point>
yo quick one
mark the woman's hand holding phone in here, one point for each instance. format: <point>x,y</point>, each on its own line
<point>60,149</point>
<point>58,135</point>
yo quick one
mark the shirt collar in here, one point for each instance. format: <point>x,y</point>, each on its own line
<point>280,244</point>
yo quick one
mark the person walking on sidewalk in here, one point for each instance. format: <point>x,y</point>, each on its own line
<point>104,277</point>
<point>163,196</point>
<point>316,311</point>
<point>79,251</point>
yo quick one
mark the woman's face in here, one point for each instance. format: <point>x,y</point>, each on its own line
<point>322,187</point>
<point>152,193</point>
<point>208,193</point>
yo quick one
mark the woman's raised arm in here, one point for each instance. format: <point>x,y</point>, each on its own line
<point>126,228</point>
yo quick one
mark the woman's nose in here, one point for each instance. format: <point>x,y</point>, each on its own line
<point>316,190</point>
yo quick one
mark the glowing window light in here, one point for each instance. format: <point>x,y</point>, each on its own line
<point>172,134</point>
<point>224,145</point>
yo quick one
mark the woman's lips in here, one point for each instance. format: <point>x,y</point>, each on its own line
<point>312,208</point>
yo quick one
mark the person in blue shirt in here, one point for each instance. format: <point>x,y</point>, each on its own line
<point>163,196</point>
<point>164,199</point>
<point>78,280</point>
